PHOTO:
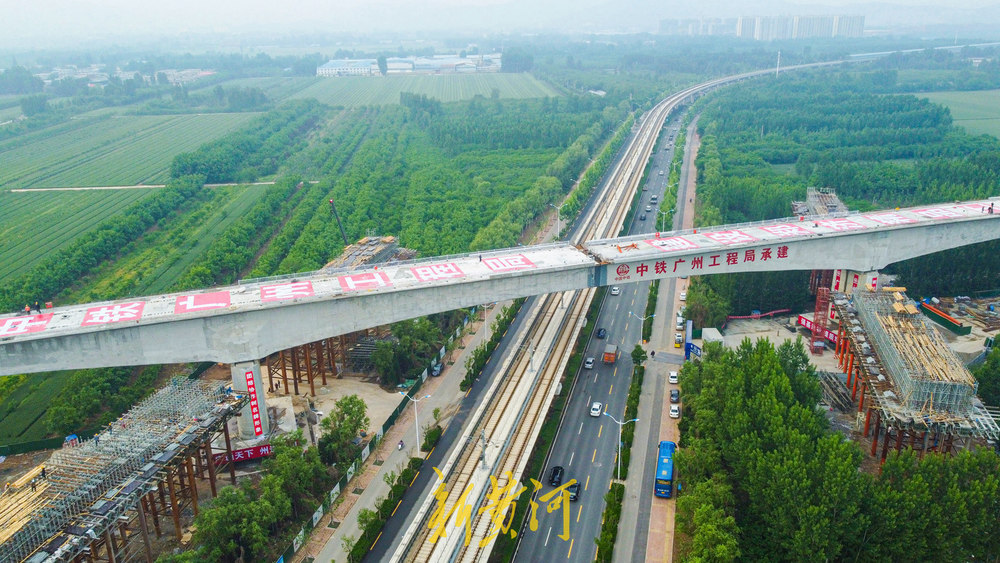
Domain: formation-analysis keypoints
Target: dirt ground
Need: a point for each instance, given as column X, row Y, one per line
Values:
column 14, row 466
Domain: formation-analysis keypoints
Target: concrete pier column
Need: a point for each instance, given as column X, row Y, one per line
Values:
column 253, row 421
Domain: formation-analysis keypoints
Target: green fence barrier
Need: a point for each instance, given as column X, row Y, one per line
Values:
column 202, row 368
column 46, row 444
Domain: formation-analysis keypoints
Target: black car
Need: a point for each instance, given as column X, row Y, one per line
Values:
column 574, row 491
column 675, row 396
column 556, row 477
column 642, row 217
column 602, row 333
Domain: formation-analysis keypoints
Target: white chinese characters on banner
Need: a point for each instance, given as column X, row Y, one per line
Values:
column 258, row 428
column 671, row 244
column 245, row 454
column 508, row 263
column 890, row 218
column 840, row 224
column 116, row 313
column 284, row 291
column 367, row 280
column 939, row 213
column 24, row 325
column 730, row 237
column 434, row 272
column 786, row 230
column 201, row 302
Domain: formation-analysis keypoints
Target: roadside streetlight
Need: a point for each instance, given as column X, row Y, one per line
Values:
column 662, row 213
column 620, row 424
column 642, row 321
column 558, row 209
column 416, row 421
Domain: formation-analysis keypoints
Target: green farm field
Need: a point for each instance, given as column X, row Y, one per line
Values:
column 22, row 412
column 155, row 262
column 108, row 150
column 978, row 112
column 350, row 91
column 35, row 224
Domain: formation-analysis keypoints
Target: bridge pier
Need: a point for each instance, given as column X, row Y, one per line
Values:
column 849, row 281
column 253, row 420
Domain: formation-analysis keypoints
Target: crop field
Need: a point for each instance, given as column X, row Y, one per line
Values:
column 6, row 114
column 21, row 413
column 159, row 259
column 978, row 112
column 350, row 91
column 34, row 224
column 277, row 89
column 108, row 151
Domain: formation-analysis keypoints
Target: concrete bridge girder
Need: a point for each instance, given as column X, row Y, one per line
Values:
column 251, row 328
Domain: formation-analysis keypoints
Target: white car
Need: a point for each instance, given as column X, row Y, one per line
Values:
column 595, row 409
column 672, row 378
column 615, row 290
column 675, row 411
column 588, row 363
column 684, row 295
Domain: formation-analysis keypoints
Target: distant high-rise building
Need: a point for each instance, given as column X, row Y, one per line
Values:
column 848, row 26
column 768, row 28
column 698, row 26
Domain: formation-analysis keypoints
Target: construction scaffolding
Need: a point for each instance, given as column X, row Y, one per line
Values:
column 928, row 378
column 909, row 385
column 341, row 355
column 88, row 501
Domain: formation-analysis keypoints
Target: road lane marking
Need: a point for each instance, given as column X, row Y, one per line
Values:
column 580, row 431
column 570, row 548
column 593, row 457
column 546, row 544
column 571, row 458
column 585, row 485
column 611, row 389
column 599, row 429
column 578, row 513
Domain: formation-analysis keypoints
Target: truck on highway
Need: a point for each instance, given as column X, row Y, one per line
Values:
column 610, row 354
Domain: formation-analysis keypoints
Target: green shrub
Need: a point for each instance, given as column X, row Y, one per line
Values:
column 431, row 437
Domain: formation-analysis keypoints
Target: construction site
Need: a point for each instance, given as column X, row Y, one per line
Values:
column 101, row 499
column 910, row 389
column 908, row 386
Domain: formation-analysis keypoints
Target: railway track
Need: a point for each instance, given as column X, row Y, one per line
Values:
column 504, row 429
column 508, row 426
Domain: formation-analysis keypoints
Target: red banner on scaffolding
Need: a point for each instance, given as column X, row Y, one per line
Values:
column 245, row 454
column 258, row 428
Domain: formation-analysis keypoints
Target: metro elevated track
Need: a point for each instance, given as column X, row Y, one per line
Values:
column 522, row 394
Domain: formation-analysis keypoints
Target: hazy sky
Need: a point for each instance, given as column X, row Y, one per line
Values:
column 41, row 23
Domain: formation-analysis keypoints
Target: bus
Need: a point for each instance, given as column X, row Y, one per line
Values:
column 664, row 486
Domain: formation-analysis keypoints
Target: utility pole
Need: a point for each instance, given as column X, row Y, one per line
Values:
column 778, row 67
column 333, row 206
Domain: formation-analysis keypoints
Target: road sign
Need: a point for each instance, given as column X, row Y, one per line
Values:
column 689, row 349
